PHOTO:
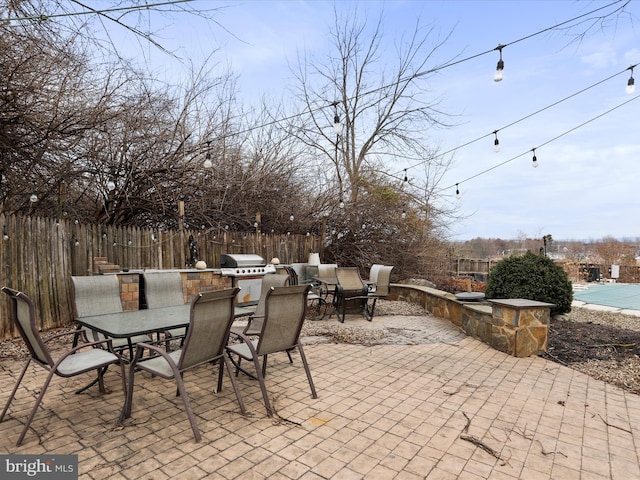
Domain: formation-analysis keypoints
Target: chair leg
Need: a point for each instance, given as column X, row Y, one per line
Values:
column 15, row 388
column 187, row 407
column 234, row 384
column 221, row 364
column 35, row 407
column 307, row 371
column 263, row 387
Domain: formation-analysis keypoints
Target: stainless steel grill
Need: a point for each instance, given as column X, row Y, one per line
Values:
column 244, row 265
column 246, row 271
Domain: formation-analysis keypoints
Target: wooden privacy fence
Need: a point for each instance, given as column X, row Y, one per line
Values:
column 39, row 255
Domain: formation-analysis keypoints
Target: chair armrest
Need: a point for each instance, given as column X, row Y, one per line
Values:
column 58, row 335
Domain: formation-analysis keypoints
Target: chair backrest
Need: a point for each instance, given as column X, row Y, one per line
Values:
column 301, row 272
column 294, row 279
column 350, row 280
column 373, row 272
column 96, row 295
column 163, row 289
column 383, row 280
column 23, row 314
column 284, row 315
column 327, row 270
column 209, row 325
column 269, row 280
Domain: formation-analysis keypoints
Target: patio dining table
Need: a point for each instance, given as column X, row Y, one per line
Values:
column 146, row 321
column 140, row 322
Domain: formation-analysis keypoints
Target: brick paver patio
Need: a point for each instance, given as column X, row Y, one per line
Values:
column 383, row 412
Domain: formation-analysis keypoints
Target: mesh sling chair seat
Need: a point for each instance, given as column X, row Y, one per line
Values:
column 211, row 315
column 98, row 295
column 284, row 315
column 76, row 361
column 351, row 290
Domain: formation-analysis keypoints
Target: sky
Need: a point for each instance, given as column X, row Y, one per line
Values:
column 587, row 144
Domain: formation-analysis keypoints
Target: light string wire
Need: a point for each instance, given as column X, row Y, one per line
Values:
column 541, row 145
column 623, row 3
column 370, row 92
column 130, row 8
column 417, row 75
column 515, row 122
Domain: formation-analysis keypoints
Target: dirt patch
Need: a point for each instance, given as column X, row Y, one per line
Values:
column 601, row 350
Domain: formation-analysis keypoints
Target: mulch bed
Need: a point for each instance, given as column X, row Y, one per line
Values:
column 605, row 352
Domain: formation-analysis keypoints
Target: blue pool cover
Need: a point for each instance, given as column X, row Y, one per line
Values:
column 620, row 295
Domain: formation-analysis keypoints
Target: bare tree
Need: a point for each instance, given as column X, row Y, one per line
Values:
column 381, row 112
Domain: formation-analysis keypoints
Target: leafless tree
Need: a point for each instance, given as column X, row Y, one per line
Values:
column 382, row 112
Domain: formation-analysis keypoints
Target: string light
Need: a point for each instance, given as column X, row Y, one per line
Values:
column 497, row 77
column 526, row 117
column 33, row 198
column 404, row 213
column 457, row 192
column 631, row 84
column 341, row 204
column 337, row 127
column 496, row 142
column 5, row 235
column 534, row 163
column 405, row 176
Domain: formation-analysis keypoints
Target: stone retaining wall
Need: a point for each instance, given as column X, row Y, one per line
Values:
column 515, row 326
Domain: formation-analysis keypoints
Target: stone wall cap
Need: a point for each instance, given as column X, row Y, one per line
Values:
column 520, row 303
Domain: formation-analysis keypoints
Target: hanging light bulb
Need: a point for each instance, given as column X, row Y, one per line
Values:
column 497, row 76
column 404, row 213
column 337, row 127
column 535, row 159
column 5, row 235
column 631, row 84
column 291, row 217
column 207, row 161
column 457, row 192
column 496, row 143
column 405, row 176
column 33, row 198
column 111, row 186
column 341, row 204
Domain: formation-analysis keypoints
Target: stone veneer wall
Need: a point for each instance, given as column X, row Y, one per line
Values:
column 193, row 282
column 518, row 328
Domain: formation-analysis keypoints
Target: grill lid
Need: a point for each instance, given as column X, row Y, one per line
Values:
column 234, row 260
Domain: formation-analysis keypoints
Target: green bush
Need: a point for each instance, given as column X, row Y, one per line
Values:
column 531, row 276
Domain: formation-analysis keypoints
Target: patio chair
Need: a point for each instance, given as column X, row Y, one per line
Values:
column 254, row 325
column 350, row 290
column 97, row 295
column 317, row 303
column 164, row 289
column 211, row 315
column 380, row 289
column 373, row 276
column 73, row 362
column 285, row 309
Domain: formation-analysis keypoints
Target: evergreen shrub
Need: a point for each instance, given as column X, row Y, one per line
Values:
column 531, row 276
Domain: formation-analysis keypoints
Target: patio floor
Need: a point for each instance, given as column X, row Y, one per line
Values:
column 392, row 411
